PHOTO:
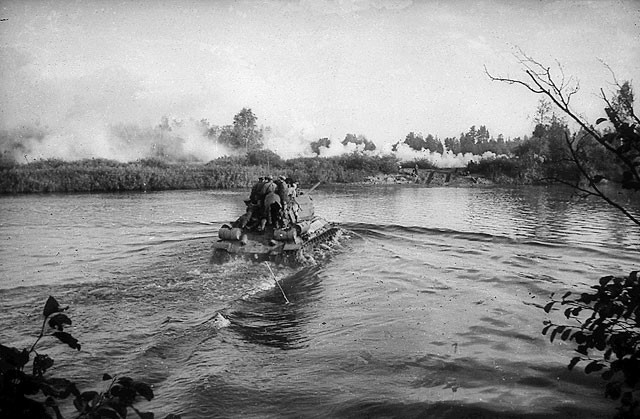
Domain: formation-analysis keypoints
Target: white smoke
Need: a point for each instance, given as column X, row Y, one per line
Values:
column 336, row 148
column 87, row 138
column 108, row 113
column 197, row 145
column 290, row 142
column 442, row 160
column 297, row 144
column 112, row 114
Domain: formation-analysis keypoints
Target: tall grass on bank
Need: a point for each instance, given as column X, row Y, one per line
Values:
column 101, row 175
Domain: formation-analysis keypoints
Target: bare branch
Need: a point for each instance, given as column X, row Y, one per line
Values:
column 511, row 81
column 540, row 80
column 613, row 75
column 594, row 186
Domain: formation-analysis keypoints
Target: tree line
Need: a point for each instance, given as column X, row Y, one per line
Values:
column 544, row 156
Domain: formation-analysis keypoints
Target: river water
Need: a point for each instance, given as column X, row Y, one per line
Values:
column 427, row 304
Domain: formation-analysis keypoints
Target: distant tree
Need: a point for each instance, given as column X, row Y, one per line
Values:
column 482, row 136
column 452, row 144
column 468, row 140
column 418, row 142
column 322, row 142
column 359, row 140
column 543, row 112
column 244, row 133
column 433, row 144
column 415, row 141
column 548, row 142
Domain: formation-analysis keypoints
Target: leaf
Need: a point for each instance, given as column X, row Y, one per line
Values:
column 89, row 395
column 41, row 363
column 119, row 406
column 105, row 412
column 586, row 298
column 14, row 357
column 605, row 280
column 59, row 321
column 127, row 396
column 59, row 387
column 115, row 390
column 573, row 362
column 592, row 367
column 50, row 307
column 144, row 390
column 125, row 381
column 600, row 120
column 582, row 349
column 548, row 307
column 65, row 337
column 79, row 404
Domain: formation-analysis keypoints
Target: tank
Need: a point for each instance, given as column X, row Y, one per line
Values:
column 289, row 243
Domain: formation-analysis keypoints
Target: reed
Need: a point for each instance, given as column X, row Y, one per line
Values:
column 102, row 175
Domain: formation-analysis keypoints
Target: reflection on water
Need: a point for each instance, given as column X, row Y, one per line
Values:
column 428, row 306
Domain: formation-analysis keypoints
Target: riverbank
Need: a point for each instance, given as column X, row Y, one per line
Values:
column 100, row 175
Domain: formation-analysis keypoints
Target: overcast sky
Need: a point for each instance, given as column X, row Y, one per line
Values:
column 314, row 68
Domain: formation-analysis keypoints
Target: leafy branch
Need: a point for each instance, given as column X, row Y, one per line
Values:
column 37, row 395
column 606, row 331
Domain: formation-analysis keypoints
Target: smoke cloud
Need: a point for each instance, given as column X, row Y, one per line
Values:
column 109, row 113
column 444, row 160
column 85, row 138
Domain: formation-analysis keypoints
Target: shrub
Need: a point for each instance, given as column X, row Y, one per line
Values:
column 607, row 335
column 33, row 393
column 492, row 168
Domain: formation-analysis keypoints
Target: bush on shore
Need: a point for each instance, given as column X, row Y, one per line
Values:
column 101, row 175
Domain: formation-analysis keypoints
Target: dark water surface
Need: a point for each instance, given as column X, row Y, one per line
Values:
column 427, row 304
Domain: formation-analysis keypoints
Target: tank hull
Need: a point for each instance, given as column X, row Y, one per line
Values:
column 288, row 247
